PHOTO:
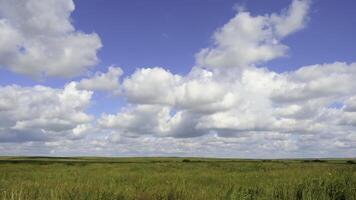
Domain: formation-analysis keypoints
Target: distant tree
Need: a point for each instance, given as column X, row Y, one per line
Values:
column 350, row 162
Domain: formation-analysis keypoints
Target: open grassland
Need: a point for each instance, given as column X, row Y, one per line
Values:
column 175, row 178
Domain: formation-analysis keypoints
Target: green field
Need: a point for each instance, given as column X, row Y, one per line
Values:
column 175, row 178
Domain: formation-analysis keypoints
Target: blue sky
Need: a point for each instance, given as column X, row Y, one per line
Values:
column 159, row 70
column 168, row 33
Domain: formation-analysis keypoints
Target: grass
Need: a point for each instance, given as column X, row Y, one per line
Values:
column 175, row 178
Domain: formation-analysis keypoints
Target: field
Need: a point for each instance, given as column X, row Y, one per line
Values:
column 175, row 178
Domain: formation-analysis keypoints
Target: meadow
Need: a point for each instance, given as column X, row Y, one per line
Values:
column 175, row 178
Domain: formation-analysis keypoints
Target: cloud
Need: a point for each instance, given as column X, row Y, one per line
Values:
column 160, row 87
column 350, row 104
column 292, row 19
column 317, row 81
column 248, row 40
column 137, row 120
column 38, row 39
column 229, row 104
column 43, row 113
column 228, row 96
column 151, row 85
column 108, row 81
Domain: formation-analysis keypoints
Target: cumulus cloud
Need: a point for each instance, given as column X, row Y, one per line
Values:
column 161, row 87
column 250, row 40
column 141, row 119
column 38, row 39
column 151, row 85
column 228, row 96
column 109, row 81
column 317, row 81
column 262, row 108
column 292, row 19
column 43, row 113
column 227, row 105
column 350, row 104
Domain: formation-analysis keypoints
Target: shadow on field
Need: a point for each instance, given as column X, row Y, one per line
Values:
column 314, row 161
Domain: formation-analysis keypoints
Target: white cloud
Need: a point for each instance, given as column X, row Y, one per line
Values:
column 151, row 85
column 317, row 81
column 38, row 39
column 109, row 81
column 137, row 120
column 292, row 19
column 350, row 104
column 42, row 113
column 248, row 40
column 262, row 102
column 226, row 95
column 225, row 106
column 159, row 86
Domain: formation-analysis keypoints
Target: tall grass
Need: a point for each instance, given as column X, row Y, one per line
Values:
column 173, row 179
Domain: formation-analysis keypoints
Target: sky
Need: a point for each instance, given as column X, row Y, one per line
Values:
column 234, row 78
